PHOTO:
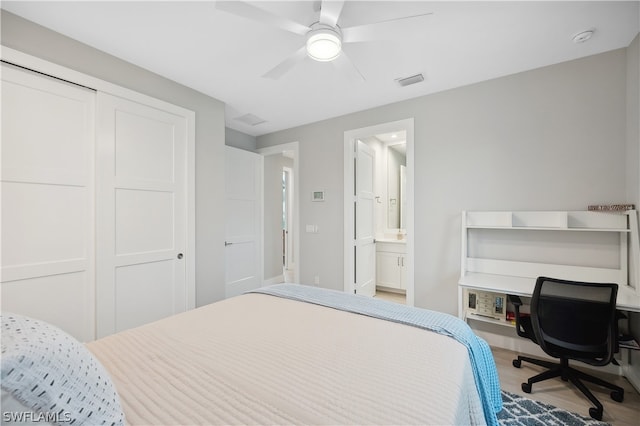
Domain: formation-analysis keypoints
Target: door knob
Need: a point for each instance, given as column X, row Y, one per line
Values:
column 180, row 256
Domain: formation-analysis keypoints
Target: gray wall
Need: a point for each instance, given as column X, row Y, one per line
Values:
column 554, row 138
column 23, row 35
column 560, row 137
column 239, row 140
column 633, row 124
column 633, row 159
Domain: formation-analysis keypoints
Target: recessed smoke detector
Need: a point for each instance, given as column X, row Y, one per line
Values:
column 410, row 80
column 583, row 36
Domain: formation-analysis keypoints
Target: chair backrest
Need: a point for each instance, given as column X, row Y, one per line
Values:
column 575, row 320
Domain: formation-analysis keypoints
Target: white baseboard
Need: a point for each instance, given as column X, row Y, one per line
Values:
column 273, row 280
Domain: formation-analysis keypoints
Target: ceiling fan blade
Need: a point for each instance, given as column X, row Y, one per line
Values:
column 390, row 29
column 285, row 66
column 346, row 66
column 330, row 12
column 248, row 11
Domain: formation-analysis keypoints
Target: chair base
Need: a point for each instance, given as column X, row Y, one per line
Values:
column 567, row 373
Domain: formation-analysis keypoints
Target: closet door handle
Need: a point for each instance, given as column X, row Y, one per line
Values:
column 227, row 243
column 180, row 256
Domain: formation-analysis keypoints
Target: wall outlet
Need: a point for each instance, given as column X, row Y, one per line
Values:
column 316, row 280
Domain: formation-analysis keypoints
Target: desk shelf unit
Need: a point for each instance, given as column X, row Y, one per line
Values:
column 517, row 277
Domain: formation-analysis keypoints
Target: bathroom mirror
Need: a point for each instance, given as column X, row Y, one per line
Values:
column 396, row 182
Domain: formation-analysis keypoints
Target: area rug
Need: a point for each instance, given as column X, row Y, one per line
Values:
column 521, row 411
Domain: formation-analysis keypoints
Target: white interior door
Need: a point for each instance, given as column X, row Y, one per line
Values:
column 47, row 200
column 365, row 245
column 243, row 228
column 141, row 214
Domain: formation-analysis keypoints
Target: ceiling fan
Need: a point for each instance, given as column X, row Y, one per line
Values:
column 324, row 38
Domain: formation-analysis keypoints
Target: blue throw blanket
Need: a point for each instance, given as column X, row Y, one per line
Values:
column 482, row 362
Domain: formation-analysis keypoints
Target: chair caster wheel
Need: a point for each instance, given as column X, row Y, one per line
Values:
column 595, row 413
column 526, row 387
column 617, row 396
column 517, row 363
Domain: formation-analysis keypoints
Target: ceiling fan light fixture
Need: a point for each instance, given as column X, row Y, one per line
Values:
column 324, row 44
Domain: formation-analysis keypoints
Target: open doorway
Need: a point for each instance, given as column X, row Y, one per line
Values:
column 391, row 213
column 280, row 228
column 288, row 254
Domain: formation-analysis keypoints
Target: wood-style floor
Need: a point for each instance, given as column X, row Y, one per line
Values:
column 565, row 395
column 556, row 392
column 391, row 297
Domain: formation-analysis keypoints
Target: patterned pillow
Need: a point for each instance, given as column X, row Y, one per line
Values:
column 55, row 375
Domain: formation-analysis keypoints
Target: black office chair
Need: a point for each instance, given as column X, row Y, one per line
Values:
column 571, row 320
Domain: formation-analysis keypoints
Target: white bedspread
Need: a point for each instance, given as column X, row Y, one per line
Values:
column 258, row 359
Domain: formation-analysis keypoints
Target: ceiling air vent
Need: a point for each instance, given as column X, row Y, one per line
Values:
column 250, row 119
column 410, row 80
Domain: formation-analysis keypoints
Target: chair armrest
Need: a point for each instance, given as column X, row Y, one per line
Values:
column 517, row 302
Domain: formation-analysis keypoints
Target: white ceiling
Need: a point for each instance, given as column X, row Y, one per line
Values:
column 224, row 55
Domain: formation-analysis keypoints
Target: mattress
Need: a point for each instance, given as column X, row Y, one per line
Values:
column 260, row 359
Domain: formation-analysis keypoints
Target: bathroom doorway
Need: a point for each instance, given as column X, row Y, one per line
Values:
column 392, row 211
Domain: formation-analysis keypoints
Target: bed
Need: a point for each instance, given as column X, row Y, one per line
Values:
column 292, row 354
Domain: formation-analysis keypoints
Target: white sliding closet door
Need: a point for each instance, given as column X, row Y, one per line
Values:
column 141, row 214
column 47, row 201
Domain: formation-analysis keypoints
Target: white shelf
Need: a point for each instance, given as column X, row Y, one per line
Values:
column 550, row 220
column 539, row 219
column 490, row 320
column 542, row 228
column 517, row 275
column 518, row 286
column 498, row 261
column 628, row 299
column 490, row 219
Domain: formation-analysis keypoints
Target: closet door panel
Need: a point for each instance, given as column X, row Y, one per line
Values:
column 59, row 299
column 144, row 221
column 144, row 148
column 47, row 200
column 46, row 128
column 141, row 214
column 144, row 294
column 44, row 223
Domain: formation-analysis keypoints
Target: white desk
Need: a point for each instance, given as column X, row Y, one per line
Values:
column 505, row 251
column 628, row 299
